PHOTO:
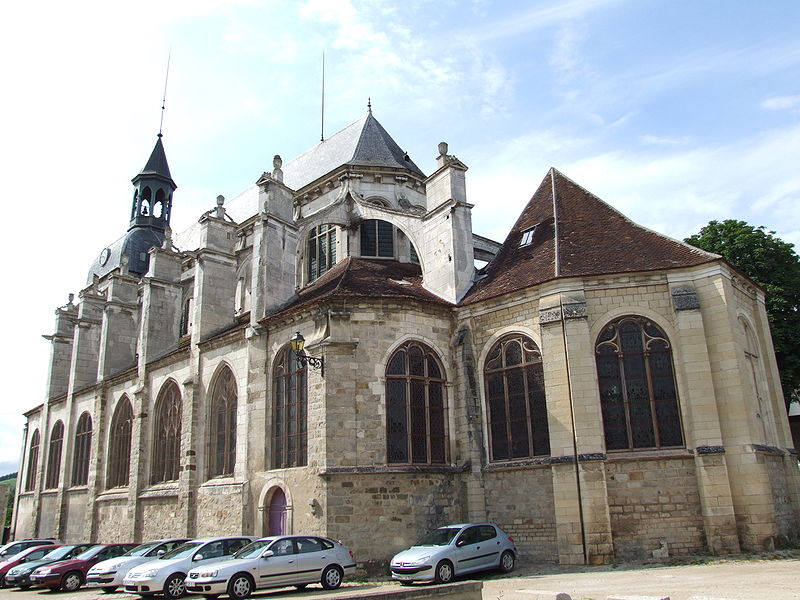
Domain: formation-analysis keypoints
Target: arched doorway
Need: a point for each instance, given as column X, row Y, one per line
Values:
column 276, row 516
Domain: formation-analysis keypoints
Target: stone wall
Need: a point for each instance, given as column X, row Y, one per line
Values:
column 521, row 503
column 651, row 501
column 377, row 515
column 114, row 523
column 785, row 518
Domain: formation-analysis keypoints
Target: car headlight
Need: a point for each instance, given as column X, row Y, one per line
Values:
column 42, row 572
column 420, row 561
column 150, row 573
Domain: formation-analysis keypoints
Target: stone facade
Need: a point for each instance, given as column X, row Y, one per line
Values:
column 224, row 298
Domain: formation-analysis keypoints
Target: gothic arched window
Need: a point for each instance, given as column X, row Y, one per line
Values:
column 82, row 450
column 119, row 456
column 415, row 407
column 54, row 456
column 290, row 408
column 321, row 250
column 515, row 399
column 638, row 394
column 167, row 438
column 377, row 238
column 222, row 454
column 33, row 462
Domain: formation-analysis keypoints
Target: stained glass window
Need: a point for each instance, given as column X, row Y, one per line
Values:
column 83, row 447
column 167, row 442
column 120, row 441
column 290, row 408
column 33, row 462
column 515, row 398
column 638, row 394
column 222, row 455
column 54, row 455
column 415, row 407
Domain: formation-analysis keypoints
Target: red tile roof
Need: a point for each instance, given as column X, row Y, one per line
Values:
column 366, row 278
column 577, row 234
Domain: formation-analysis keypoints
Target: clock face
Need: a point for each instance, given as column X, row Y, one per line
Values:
column 104, row 256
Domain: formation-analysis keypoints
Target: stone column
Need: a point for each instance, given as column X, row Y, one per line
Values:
column 583, row 523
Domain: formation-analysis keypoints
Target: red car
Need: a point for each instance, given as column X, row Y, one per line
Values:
column 27, row 555
column 69, row 575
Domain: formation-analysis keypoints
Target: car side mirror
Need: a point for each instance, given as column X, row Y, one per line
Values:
column 460, row 543
column 23, row 559
column 161, row 552
column 198, row 557
column 267, row 554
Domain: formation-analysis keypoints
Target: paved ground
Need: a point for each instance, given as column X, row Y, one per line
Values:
column 766, row 577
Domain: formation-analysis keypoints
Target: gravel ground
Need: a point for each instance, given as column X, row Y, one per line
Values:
column 774, row 576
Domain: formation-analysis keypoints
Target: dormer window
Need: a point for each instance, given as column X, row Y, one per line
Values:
column 527, row 236
column 377, row 238
column 321, row 250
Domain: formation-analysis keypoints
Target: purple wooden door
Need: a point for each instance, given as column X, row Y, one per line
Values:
column 277, row 513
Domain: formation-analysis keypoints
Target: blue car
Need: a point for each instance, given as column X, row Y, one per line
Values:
column 454, row 550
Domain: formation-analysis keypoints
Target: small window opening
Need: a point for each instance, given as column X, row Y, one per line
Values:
column 527, row 236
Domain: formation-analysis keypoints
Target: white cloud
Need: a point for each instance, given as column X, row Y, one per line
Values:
column 781, row 102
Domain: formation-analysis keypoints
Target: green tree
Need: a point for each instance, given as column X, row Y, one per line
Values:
column 774, row 265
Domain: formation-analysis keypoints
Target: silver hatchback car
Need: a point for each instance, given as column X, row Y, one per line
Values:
column 455, row 550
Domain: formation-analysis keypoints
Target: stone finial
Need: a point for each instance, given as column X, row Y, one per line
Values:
column 70, row 298
column 443, row 148
column 220, row 208
column 277, row 163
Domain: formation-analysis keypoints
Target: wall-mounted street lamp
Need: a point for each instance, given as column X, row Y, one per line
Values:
column 298, row 341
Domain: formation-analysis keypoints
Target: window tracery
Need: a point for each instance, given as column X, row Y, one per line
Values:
column 82, row 450
column 515, row 398
column 638, row 394
column 167, row 438
column 120, row 444
column 222, row 455
column 415, row 406
column 290, row 407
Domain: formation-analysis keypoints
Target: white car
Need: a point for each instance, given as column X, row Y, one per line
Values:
column 277, row 561
column 165, row 575
column 108, row 574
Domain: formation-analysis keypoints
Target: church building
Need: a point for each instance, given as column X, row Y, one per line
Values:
column 321, row 355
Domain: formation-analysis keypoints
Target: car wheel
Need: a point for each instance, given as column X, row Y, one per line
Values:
column 331, row 577
column 23, row 587
column 240, row 586
column 71, row 581
column 444, row 572
column 406, row 583
column 507, row 562
column 174, row 586
column 211, row 596
column 110, row 589
column 301, row 586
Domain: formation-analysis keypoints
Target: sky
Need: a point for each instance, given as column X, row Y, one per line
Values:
column 675, row 112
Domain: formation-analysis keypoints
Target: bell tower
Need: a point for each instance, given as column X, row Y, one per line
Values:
column 153, row 189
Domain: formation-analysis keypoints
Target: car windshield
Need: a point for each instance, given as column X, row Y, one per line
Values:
column 58, row 553
column 253, row 550
column 182, row 551
column 141, row 550
column 88, row 553
column 439, row 537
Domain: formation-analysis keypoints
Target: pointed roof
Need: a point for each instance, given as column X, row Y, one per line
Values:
column 576, row 234
column 364, row 142
column 157, row 164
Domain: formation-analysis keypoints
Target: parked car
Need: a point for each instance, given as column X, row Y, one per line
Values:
column 27, row 555
column 109, row 574
column 166, row 574
column 276, row 561
column 20, row 576
column 13, row 548
column 455, row 550
column 69, row 575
